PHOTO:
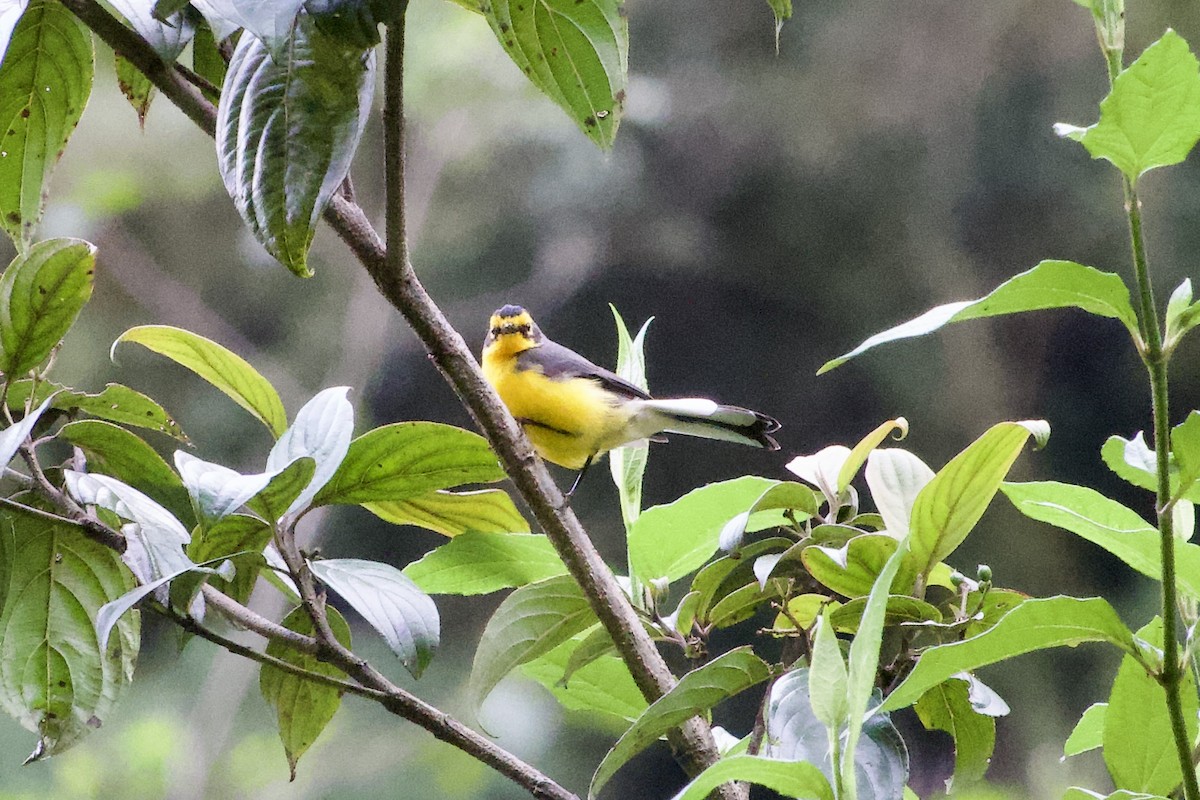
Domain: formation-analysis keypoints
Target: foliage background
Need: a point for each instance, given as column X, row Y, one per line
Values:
column 770, row 211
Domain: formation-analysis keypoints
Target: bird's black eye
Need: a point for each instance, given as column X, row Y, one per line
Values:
column 524, row 330
column 496, row 331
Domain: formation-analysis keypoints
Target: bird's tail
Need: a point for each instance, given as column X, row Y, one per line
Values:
column 699, row 417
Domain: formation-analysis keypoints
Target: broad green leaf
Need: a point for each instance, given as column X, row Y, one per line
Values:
column 280, row 494
column 223, row 369
column 1139, row 747
column 900, row 608
column 950, row 505
column 853, row 568
column 240, row 539
column 1181, row 314
column 1117, row 528
column 602, row 686
column 804, row 609
column 12, row 437
column 740, row 604
column 1185, row 447
column 671, row 540
column 790, row 778
column 352, row 21
column 116, row 403
column 729, row 573
column 136, row 87
column 56, row 679
column 530, row 622
column 167, row 36
column 216, row 490
column 404, row 616
column 41, row 294
column 1151, row 118
column 454, row 513
column 478, row 563
column 206, row 57
column 321, row 431
column 1051, row 284
column 827, row 677
column 409, row 459
column 1088, row 733
column 288, row 125
column 1034, row 625
column 863, row 449
column 946, row 707
column 577, row 53
column 1075, row 793
column 628, row 464
column 303, row 708
column 697, row 692
column 1130, row 459
column 796, row 498
column 45, row 80
column 112, row 450
column 895, row 478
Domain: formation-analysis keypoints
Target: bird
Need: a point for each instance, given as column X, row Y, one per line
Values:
column 574, row 411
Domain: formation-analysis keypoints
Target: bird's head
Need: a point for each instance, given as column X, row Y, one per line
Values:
column 512, row 328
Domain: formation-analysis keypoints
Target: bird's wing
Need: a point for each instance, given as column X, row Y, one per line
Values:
column 559, row 363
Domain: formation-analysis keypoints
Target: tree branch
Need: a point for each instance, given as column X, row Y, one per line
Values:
column 393, row 274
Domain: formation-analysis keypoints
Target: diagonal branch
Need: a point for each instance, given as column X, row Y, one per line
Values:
column 393, row 274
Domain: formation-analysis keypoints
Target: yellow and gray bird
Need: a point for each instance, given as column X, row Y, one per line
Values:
column 574, row 411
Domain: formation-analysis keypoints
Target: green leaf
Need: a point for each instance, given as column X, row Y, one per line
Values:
column 1118, row 529
column 454, row 513
column 895, row 478
column 866, row 445
column 45, row 80
column 671, row 540
column 1131, row 459
column 950, row 505
column 321, row 431
column 827, row 677
column 725, row 575
column 206, row 57
column 240, row 539
column 900, row 608
column 740, row 604
column 1051, row 284
column 404, row 616
column 797, row 779
column 1034, row 625
column 9, row 18
column 304, row 708
column 946, row 707
column 288, row 125
column 478, row 563
column 136, row 87
column 1139, row 747
column 796, row 498
column 223, row 369
column 409, row 459
column 1151, row 118
column 696, row 692
column 1075, row 793
column 55, row 677
column 1185, row 446
column 1088, row 733
column 112, row 450
column 602, row 686
column 1180, row 316
column 628, row 464
column 273, row 502
column 530, row 622
column 782, row 9
column 577, row 53
column 41, row 294
column 116, row 403
column 853, row 568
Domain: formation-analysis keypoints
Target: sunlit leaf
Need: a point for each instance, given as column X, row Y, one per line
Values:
column 116, row 403
column 603, row 686
column 862, row 450
column 796, row 779
column 628, row 464
column 946, row 707
column 454, row 513
column 895, row 478
column 478, row 563
column 1088, row 733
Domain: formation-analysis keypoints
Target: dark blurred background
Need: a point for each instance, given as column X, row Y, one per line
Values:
column 770, row 211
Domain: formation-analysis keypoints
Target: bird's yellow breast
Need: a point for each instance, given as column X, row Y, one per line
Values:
column 567, row 419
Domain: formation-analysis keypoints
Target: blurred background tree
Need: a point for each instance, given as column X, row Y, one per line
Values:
column 769, row 210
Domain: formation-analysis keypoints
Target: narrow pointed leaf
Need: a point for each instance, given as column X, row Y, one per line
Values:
column 222, row 368
column 531, row 621
column 45, row 80
column 697, row 692
column 950, row 505
column 603, row 686
column 478, row 563
column 1088, row 733
column 288, row 125
column 454, row 513
column 827, row 677
column 116, row 403
column 303, row 708
column 1051, row 284
column 797, row 779
column 13, row 436
column 1118, row 529
column 1034, row 625
column 627, row 464
column 866, row 446
column 56, row 678
column 575, row 52
column 137, row 88
column 41, row 294
column 409, row 459
column 404, row 616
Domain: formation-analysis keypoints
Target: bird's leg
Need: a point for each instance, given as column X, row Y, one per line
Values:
column 579, row 477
